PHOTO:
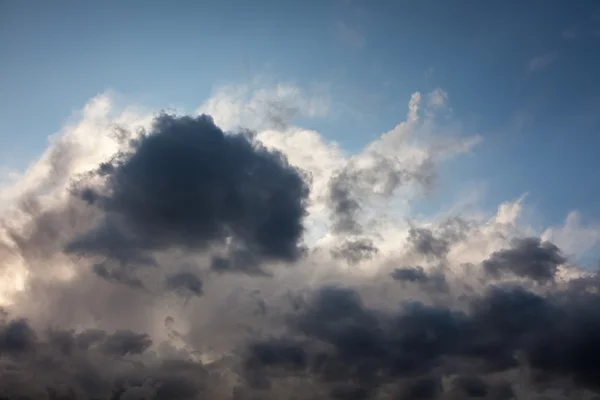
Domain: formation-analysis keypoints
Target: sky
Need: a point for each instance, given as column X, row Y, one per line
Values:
column 521, row 74
column 317, row 199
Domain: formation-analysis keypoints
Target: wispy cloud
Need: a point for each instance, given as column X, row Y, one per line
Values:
column 542, row 61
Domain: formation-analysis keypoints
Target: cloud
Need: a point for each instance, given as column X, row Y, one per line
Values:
column 573, row 237
column 403, row 158
column 187, row 185
column 115, row 247
column 423, row 242
column 258, row 106
column 96, row 364
column 501, row 329
column 542, row 61
column 432, row 282
column 528, row 258
column 184, row 283
column 356, row 250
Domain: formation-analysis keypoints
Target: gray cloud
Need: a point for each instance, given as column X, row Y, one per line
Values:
column 345, row 205
column 353, row 184
column 122, row 343
column 16, row 337
column 188, row 185
column 355, row 250
column 503, row 329
column 184, row 283
column 425, row 243
column 93, row 365
column 528, row 258
column 334, row 345
column 432, row 282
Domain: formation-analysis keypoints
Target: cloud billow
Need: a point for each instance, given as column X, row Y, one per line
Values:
column 187, row 184
column 528, row 258
column 503, row 330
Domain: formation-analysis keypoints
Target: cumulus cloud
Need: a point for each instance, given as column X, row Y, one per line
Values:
column 187, row 185
column 233, row 255
column 528, row 258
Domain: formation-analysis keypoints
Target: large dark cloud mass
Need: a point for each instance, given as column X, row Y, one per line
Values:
column 186, row 184
column 339, row 341
column 149, row 310
column 92, row 364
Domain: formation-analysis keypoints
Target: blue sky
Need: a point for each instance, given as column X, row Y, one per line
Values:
column 522, row 74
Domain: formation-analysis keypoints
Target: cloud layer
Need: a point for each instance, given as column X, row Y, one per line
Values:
column 165, row 256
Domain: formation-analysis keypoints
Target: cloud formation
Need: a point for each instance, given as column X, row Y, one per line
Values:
column 118, row 248
column 187, row 185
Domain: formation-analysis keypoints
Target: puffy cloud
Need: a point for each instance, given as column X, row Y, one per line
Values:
column 528, row 258
column 504, row 329
column 188, row 185
column 116, row 242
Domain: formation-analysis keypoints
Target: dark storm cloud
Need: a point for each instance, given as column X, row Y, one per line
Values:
column 90, row 365
column 16, row 337
column 287, row 356
column 343, row 342
column 355, row 251
column 186, row 184
column 370, row 348
column 528, row 258
column 426, row 388
column 470, row 386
